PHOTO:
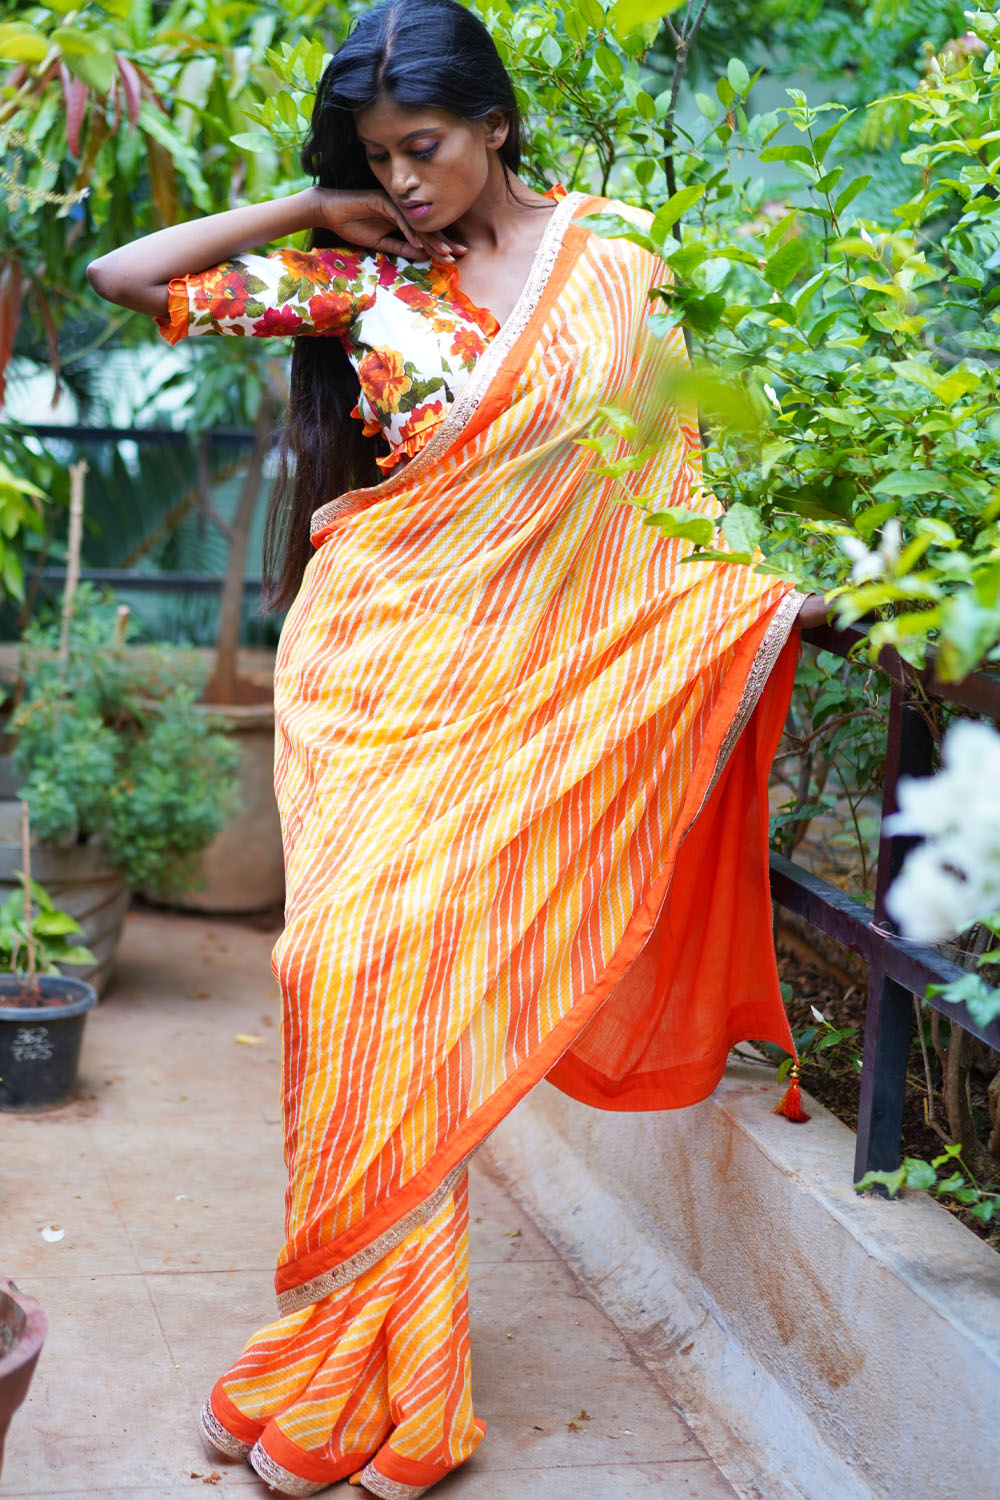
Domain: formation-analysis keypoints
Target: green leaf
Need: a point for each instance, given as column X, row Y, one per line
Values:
column 256, row 141
column 912, row 482
column 632, row 15
column 787, row 153
column 185, row 158
column 95, row 69
column 576, row 26
column 822, row 143
column 738, row 76
column 919, row 1174
column 55, row 924
column 674, row 207
column 609, row 63
column 287, row 110
column 891, row 1181
column 979, row 998
column 850, row 192
column 742, row 528
column 22, row 44
column 685, row 524
column 551, row 51
column 785, row 264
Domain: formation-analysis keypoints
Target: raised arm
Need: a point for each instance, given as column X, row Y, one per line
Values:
column 137, row 275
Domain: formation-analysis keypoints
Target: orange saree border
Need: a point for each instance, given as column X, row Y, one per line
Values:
column 341, row 1260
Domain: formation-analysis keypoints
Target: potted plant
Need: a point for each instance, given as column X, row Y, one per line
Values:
column 41, row 1010
column 127, row 783
column 23, row 1327
column 242, row 870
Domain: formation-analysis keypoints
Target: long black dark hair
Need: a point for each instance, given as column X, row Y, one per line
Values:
column 423, row 54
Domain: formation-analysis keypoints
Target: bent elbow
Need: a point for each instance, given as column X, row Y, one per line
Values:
column 98, row 277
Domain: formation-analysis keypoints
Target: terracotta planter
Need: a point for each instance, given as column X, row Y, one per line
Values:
column 81, row 880
column 243, row 868
column 23, row 1327
column 40, row 1040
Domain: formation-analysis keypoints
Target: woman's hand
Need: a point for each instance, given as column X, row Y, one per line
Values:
column 373, row 222
column 813, row 611
column 137, row 275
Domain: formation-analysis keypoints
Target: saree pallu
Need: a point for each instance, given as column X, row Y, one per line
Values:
column 521, row 766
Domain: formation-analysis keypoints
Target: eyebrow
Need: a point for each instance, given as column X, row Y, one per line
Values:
column 427, row 130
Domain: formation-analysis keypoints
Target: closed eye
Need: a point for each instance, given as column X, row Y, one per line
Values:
column 424, row 155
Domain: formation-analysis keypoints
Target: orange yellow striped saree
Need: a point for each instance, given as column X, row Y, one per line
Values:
column 521, row 766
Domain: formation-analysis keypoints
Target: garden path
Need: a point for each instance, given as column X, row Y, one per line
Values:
column 165, row 1176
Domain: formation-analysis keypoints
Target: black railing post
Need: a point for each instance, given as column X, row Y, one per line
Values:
column 889, row 1015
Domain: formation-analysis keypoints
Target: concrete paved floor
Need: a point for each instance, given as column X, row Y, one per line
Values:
column 166, row 1177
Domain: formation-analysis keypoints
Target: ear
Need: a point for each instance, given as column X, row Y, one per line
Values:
column 497, row 129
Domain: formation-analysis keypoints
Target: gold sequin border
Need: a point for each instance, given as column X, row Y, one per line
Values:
column 389, row 1489
column 349, row 1270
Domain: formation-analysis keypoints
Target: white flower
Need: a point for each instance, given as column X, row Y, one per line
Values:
column 818, row 1015
column 868, row 565
column 772, row 396
column 952, row 879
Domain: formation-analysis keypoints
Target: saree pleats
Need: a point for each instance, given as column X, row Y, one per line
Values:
column 521, row 765
column 375, row 1377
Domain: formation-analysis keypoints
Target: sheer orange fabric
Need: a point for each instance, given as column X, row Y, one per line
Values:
column 521, row 766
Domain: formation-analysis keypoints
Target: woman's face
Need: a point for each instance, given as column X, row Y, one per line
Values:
column 434, row 165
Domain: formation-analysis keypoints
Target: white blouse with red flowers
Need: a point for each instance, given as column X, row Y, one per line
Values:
column 408, row 328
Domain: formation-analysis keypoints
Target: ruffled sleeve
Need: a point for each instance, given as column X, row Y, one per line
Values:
column 288, row 292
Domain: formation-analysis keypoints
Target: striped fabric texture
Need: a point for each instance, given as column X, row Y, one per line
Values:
column 521, row 766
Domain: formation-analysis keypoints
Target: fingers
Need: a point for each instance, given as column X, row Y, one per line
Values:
column 390, row 246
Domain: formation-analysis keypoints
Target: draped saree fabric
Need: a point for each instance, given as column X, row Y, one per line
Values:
column 521, row 766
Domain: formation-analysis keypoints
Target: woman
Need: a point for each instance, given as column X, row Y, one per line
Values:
column 522, row 748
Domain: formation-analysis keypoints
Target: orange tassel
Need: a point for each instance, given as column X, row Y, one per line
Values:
column 790, row 1105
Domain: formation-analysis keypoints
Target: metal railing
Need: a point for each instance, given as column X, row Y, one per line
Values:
column 897, row 970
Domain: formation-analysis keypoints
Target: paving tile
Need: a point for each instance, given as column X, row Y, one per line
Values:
column 542, row 1355
column 166, row 1174
column 105, row 1402
column 691, row 1479
column 198, row 1482
column 200, row 1066
column 500, row 1231
column 186, row 1014
column 194, row 1194
column 207, row 1319
column 53, row 1174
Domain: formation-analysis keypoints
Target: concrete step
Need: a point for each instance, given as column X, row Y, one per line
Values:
column 822, row 1345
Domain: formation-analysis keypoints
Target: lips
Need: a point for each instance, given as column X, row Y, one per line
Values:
column 415, row 210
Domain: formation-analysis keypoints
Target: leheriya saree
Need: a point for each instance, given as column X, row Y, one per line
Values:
column 521, row 767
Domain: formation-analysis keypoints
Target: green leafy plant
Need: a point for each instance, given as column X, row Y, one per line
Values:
column 833, row 1049
column 111, row 747
column 946, row 1176
column 43, row 942
column 847, row 363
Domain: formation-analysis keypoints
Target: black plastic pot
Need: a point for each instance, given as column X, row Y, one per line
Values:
column 40, row 1043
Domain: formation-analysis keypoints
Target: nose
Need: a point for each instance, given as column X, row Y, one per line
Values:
column 403, row 178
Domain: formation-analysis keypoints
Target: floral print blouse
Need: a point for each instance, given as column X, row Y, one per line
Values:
column 409, row 330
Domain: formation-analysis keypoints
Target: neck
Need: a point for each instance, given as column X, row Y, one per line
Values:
column 497, row 218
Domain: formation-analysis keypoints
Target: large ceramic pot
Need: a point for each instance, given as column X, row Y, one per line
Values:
column 243, row 870
column 40, row 1039
column 81, row 880
column 23, row 1327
